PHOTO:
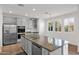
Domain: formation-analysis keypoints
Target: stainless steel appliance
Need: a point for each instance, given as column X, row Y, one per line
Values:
column 20, row 29
column 9, row 34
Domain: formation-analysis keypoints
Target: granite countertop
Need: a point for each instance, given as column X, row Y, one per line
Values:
column 22, row 33
column 48, row 43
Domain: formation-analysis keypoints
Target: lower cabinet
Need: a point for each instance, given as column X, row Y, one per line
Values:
column 56, row 52
column 22, row 42
column 26, row 45
column 29, row 47
column 45, row 52
column 34, row 49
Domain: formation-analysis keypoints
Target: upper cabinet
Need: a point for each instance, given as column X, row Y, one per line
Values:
column 19, row 21
column 22, row 21
column 9, row 20
column 31, row 24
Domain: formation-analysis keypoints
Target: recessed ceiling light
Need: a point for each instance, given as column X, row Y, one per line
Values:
column 10, row 11
column 34, row 9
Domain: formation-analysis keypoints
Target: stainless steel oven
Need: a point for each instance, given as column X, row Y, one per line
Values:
column 20, row 29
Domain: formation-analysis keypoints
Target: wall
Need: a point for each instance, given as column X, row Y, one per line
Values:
column 72, row 37
column 41, row 25
column 30, row 25
column 1, row 22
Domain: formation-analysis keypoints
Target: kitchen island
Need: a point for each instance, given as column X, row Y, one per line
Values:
column 34, row 44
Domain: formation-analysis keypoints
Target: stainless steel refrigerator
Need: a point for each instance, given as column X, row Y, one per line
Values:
column 9, row 34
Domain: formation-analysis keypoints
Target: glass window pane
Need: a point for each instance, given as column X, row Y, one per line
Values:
column 58, row 25
column 50, row 26
column 69, row 24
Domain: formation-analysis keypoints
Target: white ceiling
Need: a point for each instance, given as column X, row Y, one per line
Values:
column 53, row 9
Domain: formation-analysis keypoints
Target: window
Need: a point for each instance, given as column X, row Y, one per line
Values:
column 58, row 25
column 50, row 25
column 69, row 24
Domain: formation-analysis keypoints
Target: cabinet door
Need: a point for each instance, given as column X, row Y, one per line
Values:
column 36, row 49
column 9, row 20
column 44, row 51
column 29, row 48
column 23, row 21
column 22, row 42
column 56, row 52
column 26, row 45
column 28, row 26
column 19, row 21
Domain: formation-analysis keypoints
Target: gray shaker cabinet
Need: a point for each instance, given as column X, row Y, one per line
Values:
column 56, row 52
column 9, row 20
column 29, row 47
column 26, row 45
column 22, row 42
column 36, row 49
column 19, row 21
column 45, row 52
